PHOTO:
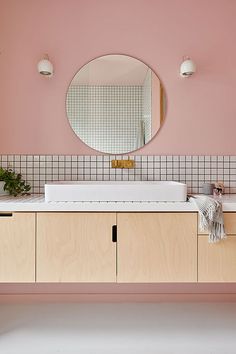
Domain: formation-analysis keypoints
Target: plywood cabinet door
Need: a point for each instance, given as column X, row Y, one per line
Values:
column 75, row 247
column 217, row 261
column 17, row 247
column 157, row 247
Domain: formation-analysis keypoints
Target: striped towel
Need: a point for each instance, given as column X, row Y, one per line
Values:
column 210, row 217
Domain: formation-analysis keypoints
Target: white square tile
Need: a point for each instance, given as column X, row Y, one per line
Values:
column 16, row 158
column 30, row 164
column 87, row 158
column 22, row 158
column 176, row 177
column 29, row 158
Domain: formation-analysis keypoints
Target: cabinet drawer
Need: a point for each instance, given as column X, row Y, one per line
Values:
column 17, row 247
column 230, row 224
column 217, row 261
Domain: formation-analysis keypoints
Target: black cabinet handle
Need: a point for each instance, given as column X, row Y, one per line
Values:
column 114, row 233
column 5, row 215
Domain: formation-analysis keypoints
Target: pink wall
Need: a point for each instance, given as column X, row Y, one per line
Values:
column 201, row 117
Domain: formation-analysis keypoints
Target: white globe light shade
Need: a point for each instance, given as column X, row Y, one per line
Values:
column 187, row 68
column 45, row 67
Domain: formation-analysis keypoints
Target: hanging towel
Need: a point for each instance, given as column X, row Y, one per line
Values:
column 210, row 217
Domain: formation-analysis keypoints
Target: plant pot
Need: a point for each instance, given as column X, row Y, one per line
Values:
column 2, row 192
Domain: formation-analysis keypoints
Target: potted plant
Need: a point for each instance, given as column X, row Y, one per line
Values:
column 12, row 183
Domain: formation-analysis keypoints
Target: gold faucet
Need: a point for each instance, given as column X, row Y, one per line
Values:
column 123, row 163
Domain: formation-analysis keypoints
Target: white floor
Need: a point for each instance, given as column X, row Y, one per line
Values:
column 118, row 328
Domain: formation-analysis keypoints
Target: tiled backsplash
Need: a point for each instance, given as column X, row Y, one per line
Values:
column 193, row 170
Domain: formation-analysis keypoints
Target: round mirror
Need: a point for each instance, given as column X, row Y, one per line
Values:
column 115, row 104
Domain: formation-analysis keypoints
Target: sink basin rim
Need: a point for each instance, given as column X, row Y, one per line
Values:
column 114, row 191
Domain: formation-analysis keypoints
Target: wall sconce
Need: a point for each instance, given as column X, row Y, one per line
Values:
column 187, row 67
column 45, row 67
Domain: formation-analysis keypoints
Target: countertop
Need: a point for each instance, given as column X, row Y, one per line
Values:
column 36, row 203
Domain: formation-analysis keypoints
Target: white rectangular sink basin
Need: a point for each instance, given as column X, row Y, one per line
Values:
column 114, row 191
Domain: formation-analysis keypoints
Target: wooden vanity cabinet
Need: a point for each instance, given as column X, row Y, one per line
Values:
column 17, row 247
column 151, row 247
column 156, row 247
column 217, row 261
column 75, row 247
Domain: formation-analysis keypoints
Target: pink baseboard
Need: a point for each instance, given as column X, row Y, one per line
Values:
column 169, row 292
column 114, row 298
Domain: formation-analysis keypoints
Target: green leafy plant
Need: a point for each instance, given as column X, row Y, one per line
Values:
column 14, row 184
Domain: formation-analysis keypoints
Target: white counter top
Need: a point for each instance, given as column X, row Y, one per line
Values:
column 36, row 203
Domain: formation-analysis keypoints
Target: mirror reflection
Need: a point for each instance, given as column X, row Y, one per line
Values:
column 115, row 104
